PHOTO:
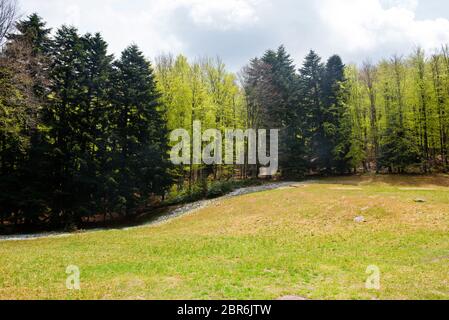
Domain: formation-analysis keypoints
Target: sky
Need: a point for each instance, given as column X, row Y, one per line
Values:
column 238, row 30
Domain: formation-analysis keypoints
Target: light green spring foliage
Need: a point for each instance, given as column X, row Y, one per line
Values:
column 411, row 100
column 358, row 116
column 199, row 91
column 8, row 114
column 203, row 90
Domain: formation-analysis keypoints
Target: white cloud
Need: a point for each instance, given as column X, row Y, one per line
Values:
column 146, row 23
column 73, row 14
column 364, row 26
column 239, row 30
column 223, row 15
column 406, row 4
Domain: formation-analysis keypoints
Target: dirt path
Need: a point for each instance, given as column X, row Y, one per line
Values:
column 168, row 216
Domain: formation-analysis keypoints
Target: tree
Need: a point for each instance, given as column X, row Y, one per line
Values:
column 406, row 100
column 311, row 79
column 64, row 117
column 94, row 129
column 140, row 134
column 205, row 91
column 397, row 151
column 285, row 113
column 271, row 87
column 358, row 116
column 420, row 73
column 441, row 103
column 368, row 75
column 8, row 16
column 336, row 117
column 30, row 45
column 27, row 69
column 33, row 31
column 13, row 144
column 256, row 83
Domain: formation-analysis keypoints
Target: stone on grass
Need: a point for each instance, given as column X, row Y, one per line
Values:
column 359, row 219
column 419, row 200
column 292, row 298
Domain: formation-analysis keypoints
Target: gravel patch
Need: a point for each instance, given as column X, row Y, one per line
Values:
column 183, row 210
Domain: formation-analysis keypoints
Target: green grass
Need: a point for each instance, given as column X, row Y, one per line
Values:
column 209, row 191
column 293, row 241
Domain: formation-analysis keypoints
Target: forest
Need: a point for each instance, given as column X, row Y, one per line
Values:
column 84, row 134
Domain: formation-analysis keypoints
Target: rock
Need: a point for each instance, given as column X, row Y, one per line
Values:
column 292, row 298
column 419, row 200
column 359, row 219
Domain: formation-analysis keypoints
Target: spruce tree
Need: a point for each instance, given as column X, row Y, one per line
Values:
column 311, row 79
column 336, row 142
column 32, row 30
column 140, row 134
column 286, row 81
column 95, row 130
column 25, row 56
column 65, row 118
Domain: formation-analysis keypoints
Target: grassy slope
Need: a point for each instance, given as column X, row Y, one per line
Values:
column 300, row 240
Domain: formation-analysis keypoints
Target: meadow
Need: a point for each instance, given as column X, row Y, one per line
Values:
column 299, row 240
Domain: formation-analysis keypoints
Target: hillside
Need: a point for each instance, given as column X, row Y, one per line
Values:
column 297, row 240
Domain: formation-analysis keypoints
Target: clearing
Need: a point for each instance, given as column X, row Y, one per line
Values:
column 301, row 240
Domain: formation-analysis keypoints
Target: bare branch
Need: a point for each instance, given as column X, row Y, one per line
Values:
column 8, row 16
